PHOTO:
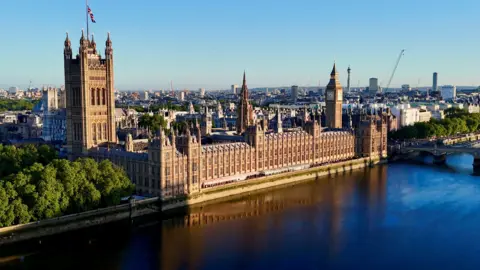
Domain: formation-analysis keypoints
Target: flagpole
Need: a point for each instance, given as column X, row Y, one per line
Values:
column 86, row 13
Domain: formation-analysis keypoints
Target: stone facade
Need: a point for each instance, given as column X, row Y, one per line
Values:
column 89, row 96
column 180, row 164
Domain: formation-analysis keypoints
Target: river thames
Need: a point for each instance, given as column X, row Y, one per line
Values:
column 396, row 216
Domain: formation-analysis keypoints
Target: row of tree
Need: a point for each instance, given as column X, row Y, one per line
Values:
column 156, row 121
column 35, row 185
column 457, row 121
column 16, row 105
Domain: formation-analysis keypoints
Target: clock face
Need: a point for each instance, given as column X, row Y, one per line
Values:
column 330, row 95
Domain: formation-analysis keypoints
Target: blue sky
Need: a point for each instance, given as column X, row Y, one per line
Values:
column 209, row 43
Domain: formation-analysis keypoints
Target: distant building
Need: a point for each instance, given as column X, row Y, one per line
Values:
column 473, row 108
column 234, row 89
column 55, row 126
column 294, row 93
column 373, row 86
column 146, row 95
column 448, row 92
column 50, row 99
column 62, row 98
column 405, row 115
column 182, row 96
column 202, row 92
column 406, row 88
column 424, row 116
column 13, row 90
column 435, row 81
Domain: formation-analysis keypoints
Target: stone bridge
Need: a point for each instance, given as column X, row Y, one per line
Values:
column 440, row 152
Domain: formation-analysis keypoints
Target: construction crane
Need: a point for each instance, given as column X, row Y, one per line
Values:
column 394, row 69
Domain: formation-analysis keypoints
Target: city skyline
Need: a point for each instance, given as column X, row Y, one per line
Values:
column 211, row 50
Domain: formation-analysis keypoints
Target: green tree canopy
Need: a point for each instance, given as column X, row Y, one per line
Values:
column 153, row 123
column 456, row 122
column 40, row 186
column 16, row 104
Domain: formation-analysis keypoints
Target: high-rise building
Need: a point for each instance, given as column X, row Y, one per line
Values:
column 244, row 109
column 334, row 100
column 202, row 92
column 435, row 82
column 182, row 96
column 234, row 89
column 448, row 92
column 348, row 79
column 90, row 96
column 373, row 86
column 294, row 93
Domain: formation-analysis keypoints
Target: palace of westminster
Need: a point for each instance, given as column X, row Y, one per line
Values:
column 182, row 164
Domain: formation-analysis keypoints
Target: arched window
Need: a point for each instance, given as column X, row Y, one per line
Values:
column 104, row 96
column 98, row 96
column 94, row 131
column 99, row 130
column 93, row 96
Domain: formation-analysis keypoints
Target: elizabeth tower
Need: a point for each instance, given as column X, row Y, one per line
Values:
column 334, row 100
column 90, row 96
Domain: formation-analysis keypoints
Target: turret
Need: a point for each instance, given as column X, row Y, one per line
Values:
column 108, row 48
column 83, row 42
column 67, row 51
column 129, row 143
column 93, row 45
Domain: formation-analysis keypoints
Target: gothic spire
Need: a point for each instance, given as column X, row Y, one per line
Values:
column 108, row 43
column 93, row 45
column 67, row 41
column 334, row 70
column 82, row 38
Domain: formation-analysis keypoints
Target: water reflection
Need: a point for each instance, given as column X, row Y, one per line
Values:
column 246, row 228
column 410, row 216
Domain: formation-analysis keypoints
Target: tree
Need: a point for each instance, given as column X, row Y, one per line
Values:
column 16, row 105
column 37, row 187
column 457, row 122
column 153, row 123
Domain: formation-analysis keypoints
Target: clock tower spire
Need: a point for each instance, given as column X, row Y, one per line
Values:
column 334, row 100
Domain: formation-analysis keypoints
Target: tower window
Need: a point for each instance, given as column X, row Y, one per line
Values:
column 93, row 96
column 104, row 131
column 94, row 131
column 104, row 96
column 98, row 96
column 99, row 130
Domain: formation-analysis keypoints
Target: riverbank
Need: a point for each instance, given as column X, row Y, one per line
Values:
column 136, row 209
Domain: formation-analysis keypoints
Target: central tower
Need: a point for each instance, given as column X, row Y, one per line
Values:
column 334, row 100
column 89, row 95
column 244, row 109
